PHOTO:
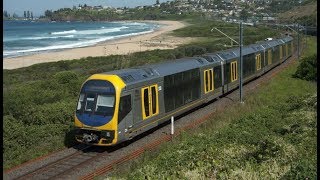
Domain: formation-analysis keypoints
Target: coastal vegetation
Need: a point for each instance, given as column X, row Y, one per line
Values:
column 39, row 101
column 145, row 13
column 307, row 69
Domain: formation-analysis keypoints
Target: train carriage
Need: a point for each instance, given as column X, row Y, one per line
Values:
column 116, row 106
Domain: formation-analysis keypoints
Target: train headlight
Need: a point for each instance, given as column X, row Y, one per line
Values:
column 107, row 134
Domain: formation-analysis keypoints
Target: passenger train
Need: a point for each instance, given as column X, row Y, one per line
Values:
column 116, row 106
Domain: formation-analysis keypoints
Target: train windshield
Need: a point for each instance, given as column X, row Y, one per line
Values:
column 97, row 97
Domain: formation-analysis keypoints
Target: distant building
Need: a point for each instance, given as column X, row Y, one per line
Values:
column 97, row 7
column 120, row 11
column 268, row 18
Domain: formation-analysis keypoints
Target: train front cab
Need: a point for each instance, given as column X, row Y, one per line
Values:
column 97, row 112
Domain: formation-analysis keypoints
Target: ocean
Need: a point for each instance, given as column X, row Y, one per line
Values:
column 29, row 37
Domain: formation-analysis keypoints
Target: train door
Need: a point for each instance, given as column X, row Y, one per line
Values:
column 258, row 62
column 269, row 57
column 287, row 51
column 233, row 71
column 149, row 101
column 208, row 81
column 125, row 110
column 222, row 64
column 281, row 55
column 264, row 62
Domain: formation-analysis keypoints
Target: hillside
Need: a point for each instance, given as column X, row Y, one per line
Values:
column 305, row 14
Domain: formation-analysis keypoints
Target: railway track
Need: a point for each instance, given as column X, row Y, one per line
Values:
column 98, row 160
column 60, row 168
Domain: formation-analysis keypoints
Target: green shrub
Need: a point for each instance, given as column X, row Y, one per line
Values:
column 307, row 69
column 188, row 50
column 65, row 77
column 14, row 130
column 64, row 65
column 54, row 113
column 305, row 169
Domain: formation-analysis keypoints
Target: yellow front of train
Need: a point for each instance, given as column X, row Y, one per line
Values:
column 96, row 117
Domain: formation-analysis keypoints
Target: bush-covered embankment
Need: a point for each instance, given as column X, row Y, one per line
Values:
column 39, row 100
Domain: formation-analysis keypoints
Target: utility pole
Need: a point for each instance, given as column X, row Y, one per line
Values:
column 298, row 42
column 305, row 33
column 240, row 69
column 241, row 63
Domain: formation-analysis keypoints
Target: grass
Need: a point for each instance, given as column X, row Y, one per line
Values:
column 272, row 136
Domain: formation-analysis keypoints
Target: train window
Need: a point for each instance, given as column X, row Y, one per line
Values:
column 105, row 104
column 258, row 62
column 185, row 89
column 276, row 55
column 280, row 52
column 124, row 107
column 269, row 57
column 208, row 80
column 234, row 70
column 200, row 60
column 287, row 50
column 154, row 97
column 208, row 58
column 217, row 77
column 150, row 101
column 211, row 79
column 80, row 102
column 146, row 103
column 90, row 102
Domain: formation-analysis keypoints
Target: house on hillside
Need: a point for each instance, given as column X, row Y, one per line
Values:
column 97, row 7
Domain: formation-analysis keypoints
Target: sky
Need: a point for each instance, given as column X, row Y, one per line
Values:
column 39, row 6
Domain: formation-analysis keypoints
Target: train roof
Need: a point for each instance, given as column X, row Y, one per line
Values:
column 133, row 75
column 235, row 52
column 179, row 65
column 287, row 38
column 273, row 43
column 265, row 44
column 153, row 71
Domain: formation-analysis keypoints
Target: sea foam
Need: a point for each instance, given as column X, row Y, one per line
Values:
column 79, row 35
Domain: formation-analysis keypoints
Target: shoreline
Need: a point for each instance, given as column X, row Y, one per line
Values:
column 158, row 39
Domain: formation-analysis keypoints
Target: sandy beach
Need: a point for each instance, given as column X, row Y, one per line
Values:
column 159, row 39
